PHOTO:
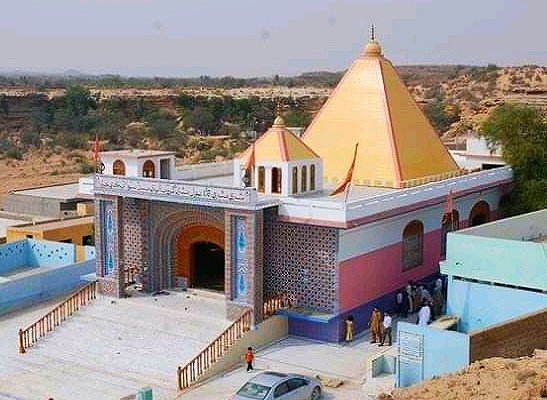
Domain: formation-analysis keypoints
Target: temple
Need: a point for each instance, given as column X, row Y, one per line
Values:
column 267, row 224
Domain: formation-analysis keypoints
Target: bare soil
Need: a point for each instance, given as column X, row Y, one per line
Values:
column 524, row 378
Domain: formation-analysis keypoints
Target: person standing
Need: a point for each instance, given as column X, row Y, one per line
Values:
column 375, row 325
column 349, row 328
column 249, row 358
column 424, row 315
column 399, row 303
column 387, row 331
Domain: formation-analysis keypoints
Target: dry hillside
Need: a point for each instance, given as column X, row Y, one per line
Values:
column 524, row 378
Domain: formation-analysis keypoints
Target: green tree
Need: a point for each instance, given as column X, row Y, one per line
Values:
column 521, row 133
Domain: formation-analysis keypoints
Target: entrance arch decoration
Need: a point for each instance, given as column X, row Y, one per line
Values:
column 163, row 239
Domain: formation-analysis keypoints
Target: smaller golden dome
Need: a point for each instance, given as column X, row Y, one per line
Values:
column 373, row 49
column 279, row 122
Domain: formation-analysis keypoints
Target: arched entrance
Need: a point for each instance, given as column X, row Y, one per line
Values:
column 207, row 265
column 480, row 214
column 199, row 256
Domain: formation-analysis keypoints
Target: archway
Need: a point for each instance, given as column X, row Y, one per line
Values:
column 149, row 169
column 199, row 256
column 480, row 214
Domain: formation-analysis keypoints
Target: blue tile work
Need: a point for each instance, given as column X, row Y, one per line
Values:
column 300, row 260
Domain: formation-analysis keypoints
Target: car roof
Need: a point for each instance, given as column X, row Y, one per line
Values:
column 268, row 378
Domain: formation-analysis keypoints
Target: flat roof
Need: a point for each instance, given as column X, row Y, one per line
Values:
column 15, row 220
column 136, row 153
column 59, row 192
column 530, row 227
column 57, row 224
column 355, row 192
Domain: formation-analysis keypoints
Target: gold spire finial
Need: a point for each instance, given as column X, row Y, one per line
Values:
column 279, row 121
column 372, row 48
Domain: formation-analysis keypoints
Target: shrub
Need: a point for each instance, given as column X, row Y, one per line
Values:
column 15, row 153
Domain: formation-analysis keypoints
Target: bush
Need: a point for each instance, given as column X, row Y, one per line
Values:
column 87, row 168
column 15, row 153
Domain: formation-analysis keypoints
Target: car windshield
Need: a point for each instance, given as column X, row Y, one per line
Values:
column 253, row 391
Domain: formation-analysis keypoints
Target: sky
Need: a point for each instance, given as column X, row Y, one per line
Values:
column 246, row 38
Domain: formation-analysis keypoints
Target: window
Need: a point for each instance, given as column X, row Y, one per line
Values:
column 254, row 390
column 304, row 184
column 312, row 177
column 480, row 214
column 261, row 179
column 281, row 389
column 294, row 180
column 248, row 178
column 295, row 383
column 148, row 169
column 450, row 223
column 30, row 236
column 88, row 240
column 118, row 168
column 413, row 245
column 276, row 180
column 66, row 241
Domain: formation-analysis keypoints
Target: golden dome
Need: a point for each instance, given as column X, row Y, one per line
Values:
column 279, row 122
column 373, row 49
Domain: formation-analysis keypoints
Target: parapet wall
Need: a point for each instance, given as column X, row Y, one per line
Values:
column 515, row 338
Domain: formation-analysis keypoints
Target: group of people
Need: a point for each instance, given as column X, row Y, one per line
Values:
column 421, row 302
column 428, row 302
column 380, row 327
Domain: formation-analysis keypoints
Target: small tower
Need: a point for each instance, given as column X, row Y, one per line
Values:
column 279, row 163
column 138, row 163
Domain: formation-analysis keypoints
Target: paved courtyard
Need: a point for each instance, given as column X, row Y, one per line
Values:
column 113, row 347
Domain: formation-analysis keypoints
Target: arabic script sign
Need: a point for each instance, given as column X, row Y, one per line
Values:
column 150, row 188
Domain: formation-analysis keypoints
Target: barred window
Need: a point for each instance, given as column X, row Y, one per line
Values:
column 295, row 180
column 261, row 179
column 312, row 177
column 304, row 185
column 413, row 245
column 276, row 180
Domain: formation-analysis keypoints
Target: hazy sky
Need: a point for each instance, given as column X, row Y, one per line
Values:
column 262, row 38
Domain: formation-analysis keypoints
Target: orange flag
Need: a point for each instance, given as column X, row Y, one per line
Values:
column 250, row 162
column 342, row 185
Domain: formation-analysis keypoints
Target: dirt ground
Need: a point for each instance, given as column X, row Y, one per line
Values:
column 494, row 378
column 40, row 169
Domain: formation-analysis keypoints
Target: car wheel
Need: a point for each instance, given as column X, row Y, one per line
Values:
column 316, row 393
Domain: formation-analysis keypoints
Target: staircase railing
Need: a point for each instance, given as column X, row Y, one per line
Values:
column 192, row 371
column 277, row 302
column 81, row 297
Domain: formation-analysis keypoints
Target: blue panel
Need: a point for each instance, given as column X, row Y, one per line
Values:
column 44, row 253
column 49, row 284
column 89, row 252
column 240, row 259
column 480, row 305
column 108, row 234
column 441, row 352
column 13, row 255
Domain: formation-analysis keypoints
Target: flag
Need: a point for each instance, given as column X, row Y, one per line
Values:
column 250, row 161
column 448, row 215
column 342, row 185
column 96, row 148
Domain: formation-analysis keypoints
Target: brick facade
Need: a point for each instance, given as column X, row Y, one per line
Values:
column 300, row 260
column 516, row 338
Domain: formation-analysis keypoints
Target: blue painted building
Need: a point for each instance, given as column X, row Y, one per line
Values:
column 32, row 271
column 497, row 272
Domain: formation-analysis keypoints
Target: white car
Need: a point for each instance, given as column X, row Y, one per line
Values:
column 279, row 386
